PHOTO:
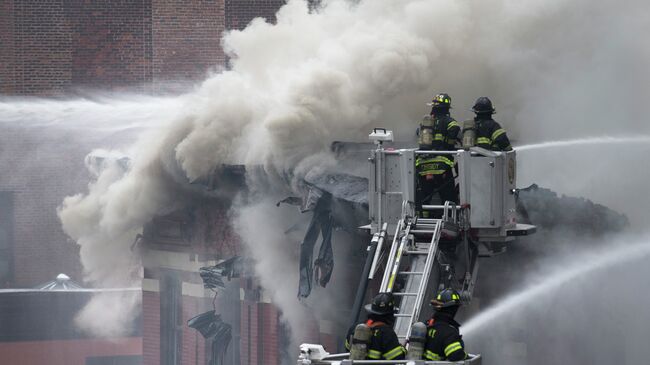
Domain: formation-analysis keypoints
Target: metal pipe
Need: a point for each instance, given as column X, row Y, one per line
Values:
column 436, row 207
column 391, row 256
column 380, row 245
column 363, row 285
column 379, row 167
column 425, row 152
column 396, row 261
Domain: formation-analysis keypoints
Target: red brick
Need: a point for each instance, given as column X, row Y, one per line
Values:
column 68, row 352
column 150, row 328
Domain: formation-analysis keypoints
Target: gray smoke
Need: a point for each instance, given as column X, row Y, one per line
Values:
column 555, row 70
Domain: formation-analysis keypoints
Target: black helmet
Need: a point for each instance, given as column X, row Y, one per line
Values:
column 446, row 298
column 441, row 101
column 382, row 304
column 483, row 105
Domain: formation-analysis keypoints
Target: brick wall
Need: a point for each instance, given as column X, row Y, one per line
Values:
column 40, row 169
column 269, row 350
column 52, row 47
column 72, row 352
column 194, row 345
column 7, row 47
column 240, row 12
column 259, row 328
column 42, row 41
column 57, row 46
column 110, row 43
column 150, row 328
column 186, row 39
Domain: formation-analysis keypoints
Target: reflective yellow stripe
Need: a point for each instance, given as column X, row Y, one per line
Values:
column 444, row 160
column 431, row 333
column 441, row 159
column 394, row 353
column 482, row 140
column 453, row 347
column 374, row 354
column 452, row 124
column 439, row 137
column 347, row 344
column 430, row 355
column 432, row 172
column 497, row 133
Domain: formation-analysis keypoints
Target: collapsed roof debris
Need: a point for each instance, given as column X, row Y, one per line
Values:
column 544, row 208
column 210, row 324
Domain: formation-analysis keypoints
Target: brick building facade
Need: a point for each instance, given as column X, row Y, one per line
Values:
column 175, row 247
column 55, row 47
column 59, row 47
column 30, row 334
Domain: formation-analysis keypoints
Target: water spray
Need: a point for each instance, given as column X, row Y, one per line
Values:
column 586, row 142
column 585, row 264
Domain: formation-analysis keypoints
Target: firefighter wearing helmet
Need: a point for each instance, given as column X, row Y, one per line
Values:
column 383, row 343
column 489, row 133
column 438, row 132
column 443, row 340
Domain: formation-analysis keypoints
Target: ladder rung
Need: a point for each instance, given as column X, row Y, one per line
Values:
column 420, row 231
column 405, row 294
column 417, row 252
column 403, row 315
column 411, row 273
column 429, row 220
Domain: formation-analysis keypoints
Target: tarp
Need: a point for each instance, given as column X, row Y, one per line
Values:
column 320, row 224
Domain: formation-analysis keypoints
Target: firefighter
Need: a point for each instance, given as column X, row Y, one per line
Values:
column 384, row 344
column 438, row 132
column 489, row 133
column 443, row 341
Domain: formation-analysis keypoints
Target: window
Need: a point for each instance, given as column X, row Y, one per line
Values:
column 6, row 238
column 114, row 360
column 171, row 319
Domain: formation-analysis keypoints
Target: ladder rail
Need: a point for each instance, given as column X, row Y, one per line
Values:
column 380, row 246
column 424, row 281
column 412, row 301
column 391, row 255
column 396, row 260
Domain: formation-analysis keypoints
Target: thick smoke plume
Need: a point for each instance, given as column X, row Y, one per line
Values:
column 555, row 70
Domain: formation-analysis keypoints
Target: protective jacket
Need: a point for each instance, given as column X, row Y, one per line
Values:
column 490, row 135
column 444, row 342
column 445, row 132
column 384, row 344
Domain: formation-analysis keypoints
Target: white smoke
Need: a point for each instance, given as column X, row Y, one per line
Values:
column 294, row 87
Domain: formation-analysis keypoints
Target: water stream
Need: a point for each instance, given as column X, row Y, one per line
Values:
column 584, row 264
column 585, row 141
column 103, row 114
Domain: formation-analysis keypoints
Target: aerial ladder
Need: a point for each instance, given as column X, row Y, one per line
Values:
column 433, row 253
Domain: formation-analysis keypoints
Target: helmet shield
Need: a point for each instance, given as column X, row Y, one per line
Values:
column 441, row 101
column 382, row 304
column 483, row 105
column 446, row 298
